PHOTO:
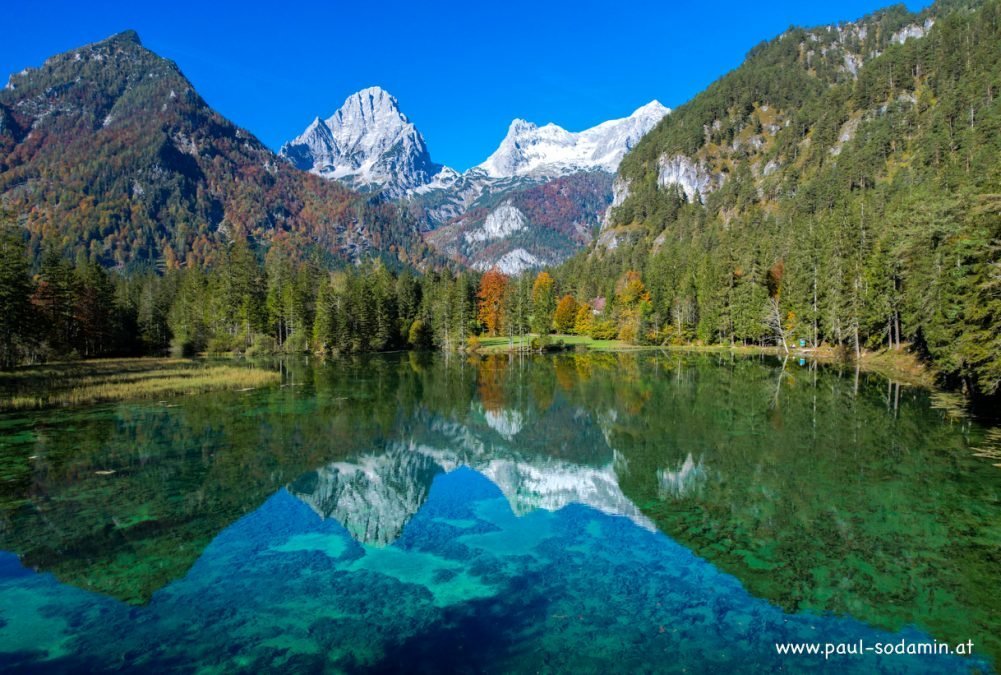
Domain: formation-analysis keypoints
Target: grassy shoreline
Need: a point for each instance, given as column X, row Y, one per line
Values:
column 897, row 365
column 106, row 380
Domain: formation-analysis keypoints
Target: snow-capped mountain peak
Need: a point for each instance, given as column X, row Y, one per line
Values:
column 529, row 149
column 533, row 202
column 654, row 109
column 367, row 143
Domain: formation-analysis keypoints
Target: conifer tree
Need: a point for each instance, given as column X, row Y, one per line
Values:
column 15, row 291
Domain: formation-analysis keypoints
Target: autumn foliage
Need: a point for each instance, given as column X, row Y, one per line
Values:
column 493, row 286
column 566, row 314
column 630, row 290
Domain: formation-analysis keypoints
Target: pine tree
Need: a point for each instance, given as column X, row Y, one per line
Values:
column 244, row 292
column 15, row 291
column 94, row 309
column 55, row 301
column 323, row 324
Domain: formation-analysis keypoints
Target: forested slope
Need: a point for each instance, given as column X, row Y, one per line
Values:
column 108, row 150
column 840, row 187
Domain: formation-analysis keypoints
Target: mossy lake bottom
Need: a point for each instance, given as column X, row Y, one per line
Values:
column 582, row 512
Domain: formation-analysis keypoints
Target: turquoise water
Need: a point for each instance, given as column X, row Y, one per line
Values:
column 568, row 514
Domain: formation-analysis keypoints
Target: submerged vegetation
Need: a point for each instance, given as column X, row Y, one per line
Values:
column 103, row 380
column 820, row 489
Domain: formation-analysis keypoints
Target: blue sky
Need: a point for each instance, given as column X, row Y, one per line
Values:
column 461, row 70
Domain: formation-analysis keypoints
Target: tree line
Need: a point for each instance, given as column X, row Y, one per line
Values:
column 257, row 300
column 838, row 290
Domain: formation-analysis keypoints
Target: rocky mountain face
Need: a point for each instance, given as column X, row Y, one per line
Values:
column 109, row 150
column 529, row 223
column 535, row 201
column 374, row 496
column 550, row 186
column 367, row 144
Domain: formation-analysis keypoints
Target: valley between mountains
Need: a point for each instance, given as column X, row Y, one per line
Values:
column 662, row 390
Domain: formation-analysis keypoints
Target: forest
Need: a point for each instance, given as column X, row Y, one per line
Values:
column 859, row 212
column 259, row 301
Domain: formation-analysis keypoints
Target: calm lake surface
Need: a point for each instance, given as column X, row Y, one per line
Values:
column 585, row 512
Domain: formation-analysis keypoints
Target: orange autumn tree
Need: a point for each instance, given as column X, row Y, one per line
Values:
column 630, row 291
column 566, row 314
column 493, row 286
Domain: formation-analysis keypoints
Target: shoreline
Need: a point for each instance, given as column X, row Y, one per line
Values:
column 900, row 366
column 104, row 380
column 108, row 380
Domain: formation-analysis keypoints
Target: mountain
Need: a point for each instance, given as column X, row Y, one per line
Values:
column 839, row 188
column 374, row 496
column 529, row 149
column 524, row 223
column 537, row 200
column 752, row 118
column 108, row 150
column 367, row 144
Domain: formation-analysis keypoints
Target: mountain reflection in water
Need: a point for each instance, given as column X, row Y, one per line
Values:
column 498, row 514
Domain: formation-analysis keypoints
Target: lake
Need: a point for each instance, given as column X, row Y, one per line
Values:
column 586, row 512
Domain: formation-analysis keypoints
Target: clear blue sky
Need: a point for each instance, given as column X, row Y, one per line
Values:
column 461, row 70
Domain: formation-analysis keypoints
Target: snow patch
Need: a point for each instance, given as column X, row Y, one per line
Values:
column 442, row 180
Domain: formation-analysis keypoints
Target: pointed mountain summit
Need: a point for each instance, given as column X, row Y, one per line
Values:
column 528, row 149
column 368, row 144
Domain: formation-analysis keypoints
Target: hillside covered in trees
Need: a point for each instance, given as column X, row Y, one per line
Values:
column 842, row 187
column 109, row 152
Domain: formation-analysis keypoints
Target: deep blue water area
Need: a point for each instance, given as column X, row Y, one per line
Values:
column 468, row 586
